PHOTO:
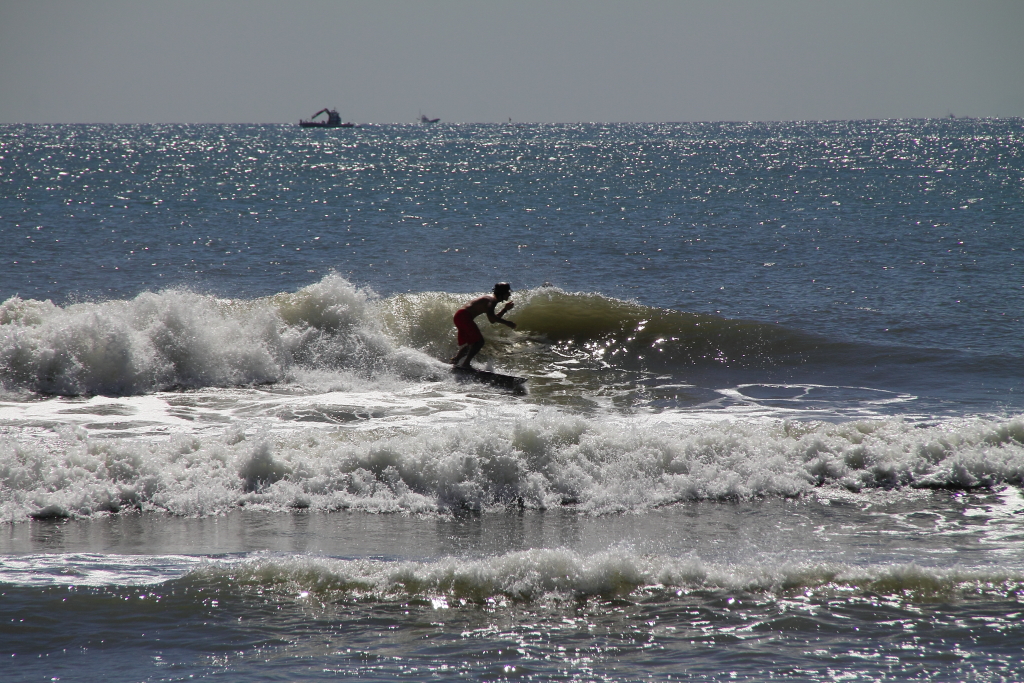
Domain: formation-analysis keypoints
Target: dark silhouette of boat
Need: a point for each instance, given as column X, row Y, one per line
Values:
column 424, row 120
column 333, row 120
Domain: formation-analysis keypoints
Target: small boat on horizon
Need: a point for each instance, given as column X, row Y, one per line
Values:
column 333, row 120
column 424, row 120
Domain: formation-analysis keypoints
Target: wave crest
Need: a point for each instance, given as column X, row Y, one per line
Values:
column 560, row 573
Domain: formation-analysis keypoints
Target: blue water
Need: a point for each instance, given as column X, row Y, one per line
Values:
column 773, row 427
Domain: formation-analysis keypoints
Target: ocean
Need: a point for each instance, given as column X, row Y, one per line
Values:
column 773, row 425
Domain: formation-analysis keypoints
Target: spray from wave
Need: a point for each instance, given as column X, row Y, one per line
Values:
column 178, row 339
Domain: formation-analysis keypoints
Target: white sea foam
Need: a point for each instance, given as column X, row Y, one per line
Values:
column 540, row 459
column 177, row 338
column 94, row 569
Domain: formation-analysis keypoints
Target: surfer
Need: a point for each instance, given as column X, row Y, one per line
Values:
column 470, row 339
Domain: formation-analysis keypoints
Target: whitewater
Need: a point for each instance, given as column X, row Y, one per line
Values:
column 773, row 425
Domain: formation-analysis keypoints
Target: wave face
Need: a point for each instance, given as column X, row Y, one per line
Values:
column 611, row 331
column 630, row 331
column 596, row 465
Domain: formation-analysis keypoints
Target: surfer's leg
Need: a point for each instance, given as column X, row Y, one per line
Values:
column 470, row 337
column 473, row 350
column 463, row 350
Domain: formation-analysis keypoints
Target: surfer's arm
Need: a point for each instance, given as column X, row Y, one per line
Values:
column 497, row 317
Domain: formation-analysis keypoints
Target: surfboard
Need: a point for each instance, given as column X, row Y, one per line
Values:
column 493, row 378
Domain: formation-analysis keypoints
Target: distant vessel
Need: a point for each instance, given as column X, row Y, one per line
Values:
column 333, row 120
column 425, row 120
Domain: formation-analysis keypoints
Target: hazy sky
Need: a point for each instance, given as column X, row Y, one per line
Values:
column 488, row 60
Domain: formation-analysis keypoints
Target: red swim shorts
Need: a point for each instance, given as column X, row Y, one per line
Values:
column 469, row 333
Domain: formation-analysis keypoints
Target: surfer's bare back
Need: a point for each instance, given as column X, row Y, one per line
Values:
column 470, row 339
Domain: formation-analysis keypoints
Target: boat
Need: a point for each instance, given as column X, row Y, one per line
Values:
column 424, row 120
column 333, row 120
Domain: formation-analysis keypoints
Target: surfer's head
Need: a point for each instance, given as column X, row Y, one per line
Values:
column 502, row 291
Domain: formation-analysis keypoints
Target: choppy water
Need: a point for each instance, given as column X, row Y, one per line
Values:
column 773, row 428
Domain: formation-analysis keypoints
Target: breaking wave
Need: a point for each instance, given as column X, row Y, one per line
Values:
column 541, row 573
column 538, row 574
column 178, row 339
column 597, row 465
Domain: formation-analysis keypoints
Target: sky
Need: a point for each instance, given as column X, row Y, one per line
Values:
column 384, row 61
